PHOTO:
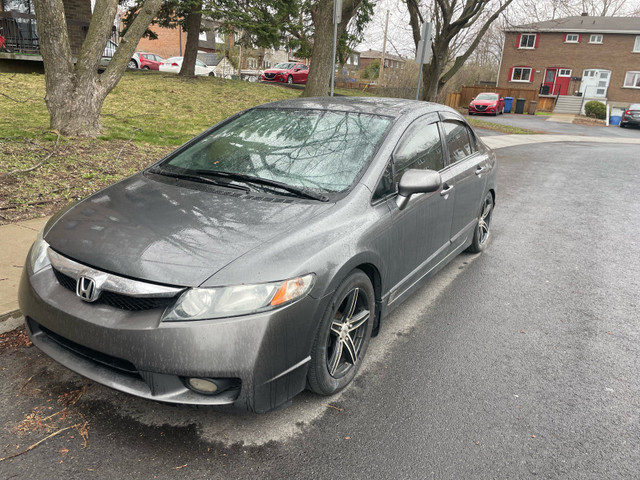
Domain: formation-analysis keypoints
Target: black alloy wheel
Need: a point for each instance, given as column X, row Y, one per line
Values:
column 482, row 232
column 343, row 335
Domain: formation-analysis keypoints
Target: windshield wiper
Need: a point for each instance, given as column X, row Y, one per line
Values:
column 300, row 192
column 198, row 178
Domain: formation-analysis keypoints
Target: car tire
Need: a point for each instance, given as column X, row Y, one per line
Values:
column 622, row 125
column 146, row 67
column 132, row 64
column 290, row 80
column 211, row 74
column 343, row 335
column 482, row 232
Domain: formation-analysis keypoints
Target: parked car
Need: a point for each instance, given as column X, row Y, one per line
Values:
column 145, row 61
column 260, row 257
column 491, row 103
column 289, row 72
column 174, row 64
column 631, row 116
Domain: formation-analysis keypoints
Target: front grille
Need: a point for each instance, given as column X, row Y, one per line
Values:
column 116, row 363
column 270, row 76
column 117, row 300
column 481, row 108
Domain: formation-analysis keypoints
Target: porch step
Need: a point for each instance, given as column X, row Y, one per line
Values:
column 568, row 104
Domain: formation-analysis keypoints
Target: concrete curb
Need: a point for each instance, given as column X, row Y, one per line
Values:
column 11, row 321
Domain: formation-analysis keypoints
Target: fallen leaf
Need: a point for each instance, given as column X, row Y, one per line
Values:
column 347, row 438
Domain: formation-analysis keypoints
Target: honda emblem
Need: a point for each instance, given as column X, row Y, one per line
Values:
column 87, row 290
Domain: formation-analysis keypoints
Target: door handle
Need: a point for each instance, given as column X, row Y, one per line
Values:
column 480, row 170
column 446, row 190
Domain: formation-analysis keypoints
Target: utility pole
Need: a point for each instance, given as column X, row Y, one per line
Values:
column 384, row 50
column 337, row 18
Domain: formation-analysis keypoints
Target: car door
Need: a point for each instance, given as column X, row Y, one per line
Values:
column 467, row 166
column 419, row 236
column 201, row 68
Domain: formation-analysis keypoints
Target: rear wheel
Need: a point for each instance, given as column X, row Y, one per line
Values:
column 482, row 233
column 343, row 335
column 622, row 125
column 132, row 64
column 290, row 80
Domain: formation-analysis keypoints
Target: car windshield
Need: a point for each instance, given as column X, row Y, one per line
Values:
column 634, row 106
column 309, row 149
column 284, row 66
column 487, row 96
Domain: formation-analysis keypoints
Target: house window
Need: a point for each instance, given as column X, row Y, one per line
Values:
column 571, row 38
column 595, row 38
column 632, row 80
column 355, row 60
column 202, row 36
column 564, row 72
column 636, row 46
column 528, row 40
column 521, row 74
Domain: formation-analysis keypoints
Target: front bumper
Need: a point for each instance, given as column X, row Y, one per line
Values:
column 265, row 354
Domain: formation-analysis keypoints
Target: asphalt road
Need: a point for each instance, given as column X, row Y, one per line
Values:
column 520, row 362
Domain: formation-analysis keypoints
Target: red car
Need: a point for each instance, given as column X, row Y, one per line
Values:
column 491, row 103
column 289, row 72
column 145, row 61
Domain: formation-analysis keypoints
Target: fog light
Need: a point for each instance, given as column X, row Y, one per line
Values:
column 202, row 385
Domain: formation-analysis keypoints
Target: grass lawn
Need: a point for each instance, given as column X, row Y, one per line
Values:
column 143, row 119
column 498, row 127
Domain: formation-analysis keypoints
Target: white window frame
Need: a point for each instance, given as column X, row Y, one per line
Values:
column 564, row 72
column 513, row 73
column 630, row 76
column 596, row 38
column 572, row 40
column 522, row 37
column 636, row 45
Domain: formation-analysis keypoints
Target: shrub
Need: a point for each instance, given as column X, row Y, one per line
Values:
column 596, row 109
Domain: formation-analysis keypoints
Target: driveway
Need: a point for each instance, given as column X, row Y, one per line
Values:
column 546, row 124
column 519, row 362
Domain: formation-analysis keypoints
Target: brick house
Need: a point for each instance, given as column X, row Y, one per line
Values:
column 595, row 58
column 393, row 64
column 20, row 38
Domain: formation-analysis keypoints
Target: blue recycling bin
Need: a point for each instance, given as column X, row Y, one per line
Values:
column 508, row 101
column 615, row 119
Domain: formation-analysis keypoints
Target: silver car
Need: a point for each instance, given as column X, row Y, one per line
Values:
column 259, row 258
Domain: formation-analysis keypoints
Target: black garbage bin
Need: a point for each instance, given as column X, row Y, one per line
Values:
column 544, row 90
column 520, row 105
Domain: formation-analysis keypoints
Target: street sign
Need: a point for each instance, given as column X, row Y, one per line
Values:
column 423, row 55
column 337, row 11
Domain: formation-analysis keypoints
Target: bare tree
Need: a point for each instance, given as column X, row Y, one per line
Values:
column 75, row 89
column 460, row 24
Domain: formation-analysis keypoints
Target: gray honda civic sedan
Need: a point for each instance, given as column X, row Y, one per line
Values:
column 259, row 258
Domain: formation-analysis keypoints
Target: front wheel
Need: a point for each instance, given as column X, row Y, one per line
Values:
column 482, row 231
column 290, row 80
column 211, row 74
column 343, row 335
column 132, row 64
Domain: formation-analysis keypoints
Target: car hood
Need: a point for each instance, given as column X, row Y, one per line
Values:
column 170, row 231
column 275, row 70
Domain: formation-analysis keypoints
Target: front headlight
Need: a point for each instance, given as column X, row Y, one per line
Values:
column 38, row 258
column 218, row 302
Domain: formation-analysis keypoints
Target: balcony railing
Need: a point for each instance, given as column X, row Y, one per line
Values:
column 18, row 33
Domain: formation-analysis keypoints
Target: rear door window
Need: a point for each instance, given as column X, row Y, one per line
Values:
column 460, row 142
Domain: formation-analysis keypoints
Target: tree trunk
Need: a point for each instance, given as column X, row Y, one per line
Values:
column 319, row 79
column 322, row 60
column 193, row 39
column 75, row 89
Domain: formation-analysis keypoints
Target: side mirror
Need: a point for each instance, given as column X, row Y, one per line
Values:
column 417, row 181
column 297, row 69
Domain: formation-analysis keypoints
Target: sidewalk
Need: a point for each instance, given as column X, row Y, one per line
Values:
column 15, row 241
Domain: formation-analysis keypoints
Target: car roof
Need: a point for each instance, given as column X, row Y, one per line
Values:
column 391, row 107
column 634, row 106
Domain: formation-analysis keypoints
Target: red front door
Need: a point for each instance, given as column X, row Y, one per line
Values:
column 557, row 79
